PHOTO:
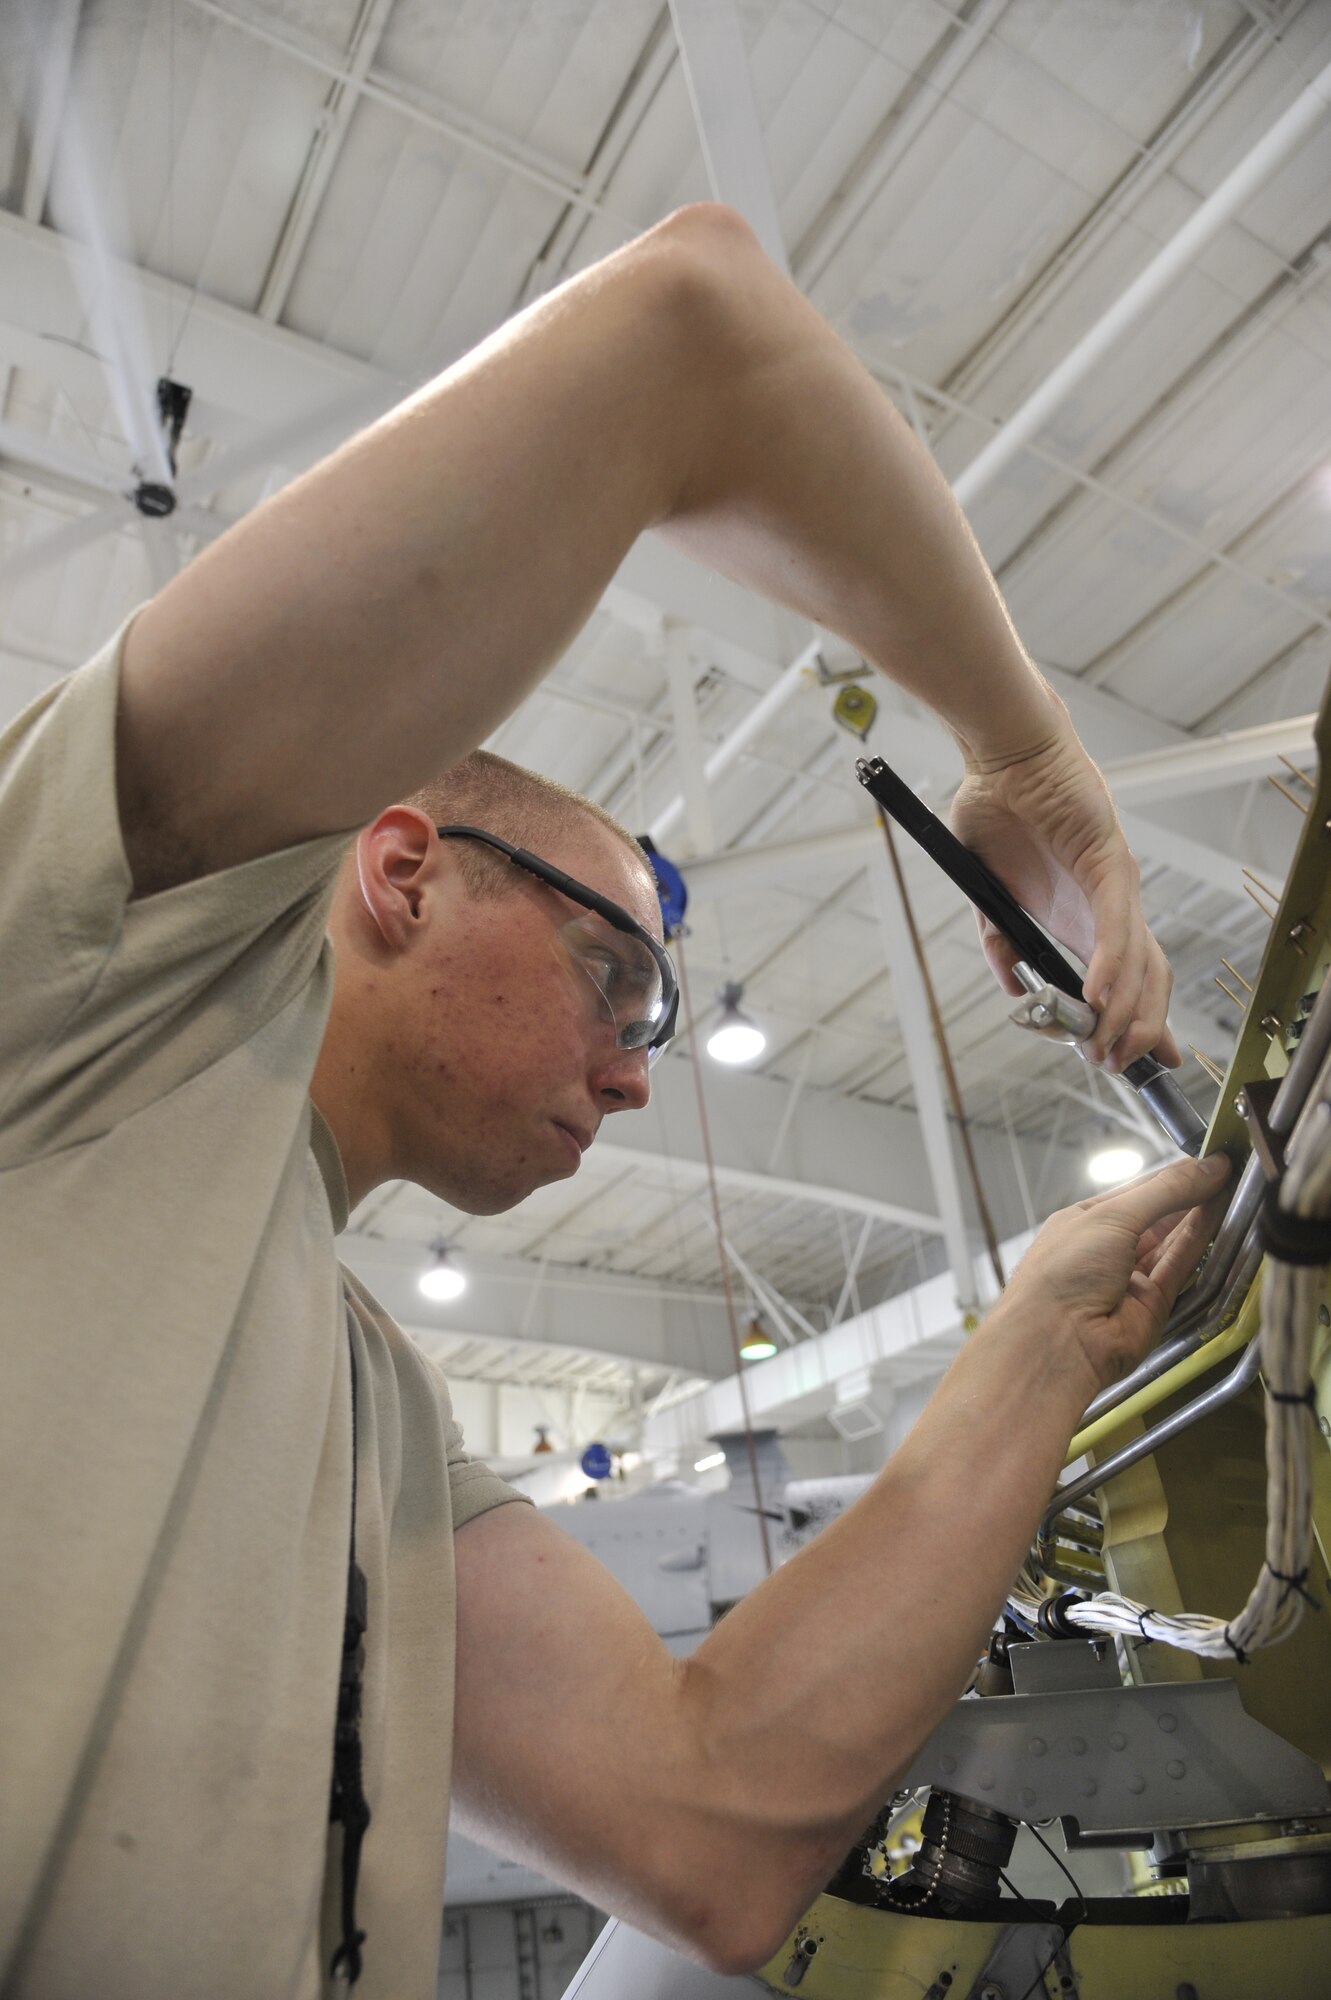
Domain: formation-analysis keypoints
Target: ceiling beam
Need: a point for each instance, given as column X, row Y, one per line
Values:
column 1206, row 93
column 897, row 381
column 326, row 143
column 264, row 373
column 470, row 133
column 655, row 60
column 716, row 70
column 611, row 1317
column 845, row 1154
column 752, row 1180
column 923, row 93
column 914, row 1334
column 1308, row 110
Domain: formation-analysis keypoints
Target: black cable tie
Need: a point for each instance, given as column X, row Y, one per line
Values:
column 1146, row 1638
column 1296, row 1583
column 1235, row 1648
column 1308, row 1397
column 1301, row 1240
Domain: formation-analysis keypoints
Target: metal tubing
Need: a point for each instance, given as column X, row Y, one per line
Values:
column 1203, row 1323
column 1238, row 1378
column 1193, row 1324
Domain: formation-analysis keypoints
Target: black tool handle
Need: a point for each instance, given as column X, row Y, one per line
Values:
column 1147, row 1076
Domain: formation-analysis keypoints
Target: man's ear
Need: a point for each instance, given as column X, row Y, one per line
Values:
column 397, row 859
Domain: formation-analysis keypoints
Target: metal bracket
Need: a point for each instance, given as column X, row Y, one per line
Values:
column 1018, row 1962
column 1050, row 1012
column 1253, row 1105
column 1119, row 1764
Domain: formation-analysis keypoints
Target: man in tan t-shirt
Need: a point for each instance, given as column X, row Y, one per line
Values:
column 225, row 1023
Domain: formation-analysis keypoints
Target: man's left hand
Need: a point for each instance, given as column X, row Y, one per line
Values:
column 1046, row 825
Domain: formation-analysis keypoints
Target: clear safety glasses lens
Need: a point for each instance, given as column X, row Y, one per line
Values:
column 625, row 976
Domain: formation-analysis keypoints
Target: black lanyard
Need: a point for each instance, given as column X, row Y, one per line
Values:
column 347, row 1803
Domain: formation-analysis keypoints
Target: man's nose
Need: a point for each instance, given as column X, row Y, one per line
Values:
column 620, row 1080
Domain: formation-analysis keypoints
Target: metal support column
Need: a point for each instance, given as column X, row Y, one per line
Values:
column 716, row 69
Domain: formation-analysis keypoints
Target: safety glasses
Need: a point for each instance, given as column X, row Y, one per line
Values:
column 631, row 973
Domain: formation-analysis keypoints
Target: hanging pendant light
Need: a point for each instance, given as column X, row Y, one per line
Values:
column 441, row 1280
column 1113, row 1164
column 735, row 1038
column 757, row 1344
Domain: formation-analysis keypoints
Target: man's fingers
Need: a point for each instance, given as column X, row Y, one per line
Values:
column 1147, row 1031
column 1116, row 958
column 1177, row 1258
column 1166, row 1048
column 1001, row 955
column 1182, row 1184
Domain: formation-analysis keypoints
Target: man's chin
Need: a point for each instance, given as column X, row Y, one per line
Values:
column 482, row 1198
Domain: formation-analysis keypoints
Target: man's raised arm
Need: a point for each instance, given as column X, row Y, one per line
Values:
column 358, row 633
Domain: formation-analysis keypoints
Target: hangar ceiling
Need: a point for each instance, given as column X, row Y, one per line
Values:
column 303, row 209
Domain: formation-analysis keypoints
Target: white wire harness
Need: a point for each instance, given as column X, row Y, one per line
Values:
column 1291, row 1294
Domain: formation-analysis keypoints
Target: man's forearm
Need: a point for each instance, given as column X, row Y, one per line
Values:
column 808, row 485
column 811, row 1697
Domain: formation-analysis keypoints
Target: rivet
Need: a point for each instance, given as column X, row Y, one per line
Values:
column 1167, row 1722
column 1026, row 1796
column 1136, row 1784
column 1088, row 1788
column 1037, row 1746
column 947, row 1765
column 1176, row 1767
column 1077, row 1745
column 1117, row 1740
column 986, row 1781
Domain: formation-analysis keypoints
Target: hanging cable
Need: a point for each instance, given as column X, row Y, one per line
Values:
column 945, row 1057
column 721, row 1252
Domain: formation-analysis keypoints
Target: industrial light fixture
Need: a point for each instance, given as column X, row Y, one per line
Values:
column 757, row 1344
column 1113, row 1164
column 441, row 1280
column 710, row 1463
column 735, row 1038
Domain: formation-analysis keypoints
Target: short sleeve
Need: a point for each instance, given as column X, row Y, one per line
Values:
column 473, row 1488
column 111, row 1003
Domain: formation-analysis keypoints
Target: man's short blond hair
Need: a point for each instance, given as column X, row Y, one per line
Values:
column 489, row 792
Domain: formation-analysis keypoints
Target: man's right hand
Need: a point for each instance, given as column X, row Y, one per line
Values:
column 1104, row 1274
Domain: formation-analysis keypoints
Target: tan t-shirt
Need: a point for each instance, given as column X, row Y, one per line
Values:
column 175, row 1432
